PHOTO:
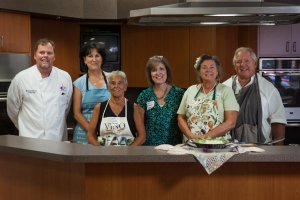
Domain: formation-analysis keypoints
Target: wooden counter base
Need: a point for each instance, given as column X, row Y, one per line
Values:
column 29, row 178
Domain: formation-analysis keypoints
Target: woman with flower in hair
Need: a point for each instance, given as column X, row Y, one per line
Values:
column 208, row 109
column 159, row 104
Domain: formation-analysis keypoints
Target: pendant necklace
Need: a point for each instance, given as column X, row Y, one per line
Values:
column 94, row 82
column 164, row 94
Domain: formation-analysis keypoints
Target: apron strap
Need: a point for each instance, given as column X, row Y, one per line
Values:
column 87, row 78
column 105, row 80
column 214, row 94
column 105, row 108
column 121, row 111
column 87, row 82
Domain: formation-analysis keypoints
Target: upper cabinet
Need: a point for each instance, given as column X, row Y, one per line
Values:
column 15, row 34
column 279, row 41
column 138, row 44
column 181, row 46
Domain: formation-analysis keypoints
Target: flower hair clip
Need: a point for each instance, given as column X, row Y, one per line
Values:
column 156, row 58
column 197, row 63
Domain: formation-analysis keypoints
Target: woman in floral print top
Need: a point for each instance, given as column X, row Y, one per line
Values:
column 159, row 104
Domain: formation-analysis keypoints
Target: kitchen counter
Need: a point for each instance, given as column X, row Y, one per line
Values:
column 36, row 169
column 76, row 153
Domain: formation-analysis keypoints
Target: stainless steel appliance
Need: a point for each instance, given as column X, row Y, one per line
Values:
column 6, row 125
column 212, row 12
column 10, row 65
column 284, row 73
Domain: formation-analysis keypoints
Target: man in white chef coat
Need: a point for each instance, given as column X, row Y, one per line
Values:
column 38, row 99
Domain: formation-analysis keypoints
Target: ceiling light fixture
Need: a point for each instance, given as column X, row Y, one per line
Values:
column 228, row 15
column 213, row 23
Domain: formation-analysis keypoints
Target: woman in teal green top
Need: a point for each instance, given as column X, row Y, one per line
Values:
column 160, row 103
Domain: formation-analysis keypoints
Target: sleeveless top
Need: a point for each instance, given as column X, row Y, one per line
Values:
column 110, row 113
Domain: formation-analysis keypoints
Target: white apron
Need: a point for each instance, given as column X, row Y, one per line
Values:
column 115, row 130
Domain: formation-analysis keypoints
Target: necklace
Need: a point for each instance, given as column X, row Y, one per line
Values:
column 203, row 90
column 201, row 87
column 163, row 95
column 95, row 80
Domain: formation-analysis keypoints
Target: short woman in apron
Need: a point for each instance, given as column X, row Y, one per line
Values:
column 208, row 109
column 89, row 90
column 117, row 121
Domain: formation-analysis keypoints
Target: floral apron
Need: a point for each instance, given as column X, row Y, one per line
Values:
column 202, row 114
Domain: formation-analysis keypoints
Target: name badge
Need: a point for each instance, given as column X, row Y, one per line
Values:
column 150, row 105
column 31, row 91
column 115, row 120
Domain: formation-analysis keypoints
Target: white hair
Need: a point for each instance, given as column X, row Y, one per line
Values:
column 117, row 73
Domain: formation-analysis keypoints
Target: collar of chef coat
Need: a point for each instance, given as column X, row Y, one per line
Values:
column 51, row 76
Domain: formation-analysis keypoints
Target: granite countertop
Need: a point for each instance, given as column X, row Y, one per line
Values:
column 78, row 153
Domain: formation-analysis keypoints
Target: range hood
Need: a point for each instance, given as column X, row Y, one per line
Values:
column 205, row 12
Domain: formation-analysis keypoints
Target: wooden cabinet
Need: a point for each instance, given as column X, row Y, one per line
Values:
column 221, row 41
column 15, row 36
column 140, row 43
column 279, row 41
column 181, row 46
column 66, row 36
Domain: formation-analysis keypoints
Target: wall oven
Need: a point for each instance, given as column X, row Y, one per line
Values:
column 6, row 125
column 284, row 73
column 10, row 65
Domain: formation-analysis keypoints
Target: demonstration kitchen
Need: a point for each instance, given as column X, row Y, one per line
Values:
column 133, row 31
